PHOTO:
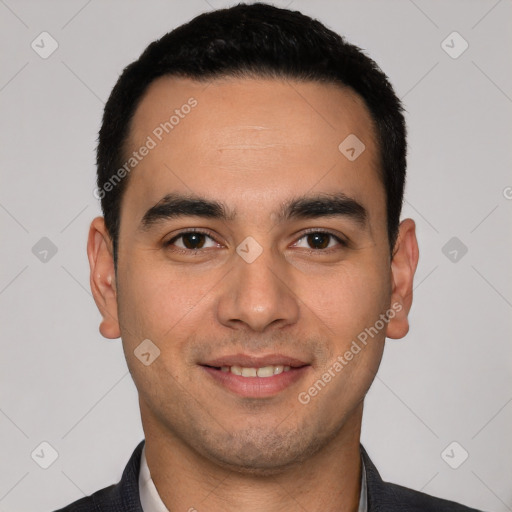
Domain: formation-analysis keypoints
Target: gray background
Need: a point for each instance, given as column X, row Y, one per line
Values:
column 448, row 380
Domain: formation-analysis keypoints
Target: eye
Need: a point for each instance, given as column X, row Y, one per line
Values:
column 191, row 240
column 320, row 241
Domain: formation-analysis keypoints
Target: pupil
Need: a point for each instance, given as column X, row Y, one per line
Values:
column 320, row 240
column 193, row 240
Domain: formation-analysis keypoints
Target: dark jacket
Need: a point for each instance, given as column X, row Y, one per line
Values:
column 382, row 496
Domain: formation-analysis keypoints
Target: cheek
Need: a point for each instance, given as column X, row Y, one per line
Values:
column 157, row 306
column 147, row 305
column 156, row 302
column 348, row 300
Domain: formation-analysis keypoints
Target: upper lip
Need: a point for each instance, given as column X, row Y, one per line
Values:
column 248, row 361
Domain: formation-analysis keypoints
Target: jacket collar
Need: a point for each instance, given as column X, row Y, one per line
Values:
column 124, row 497
column 375, row 486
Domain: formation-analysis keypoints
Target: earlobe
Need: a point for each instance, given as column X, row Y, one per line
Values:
column 403, row 268
column 102, row 277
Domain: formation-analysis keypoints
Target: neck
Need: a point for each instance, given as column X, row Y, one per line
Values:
column 328, row 481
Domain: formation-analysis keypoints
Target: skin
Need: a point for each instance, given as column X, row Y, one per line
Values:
column 252, row 144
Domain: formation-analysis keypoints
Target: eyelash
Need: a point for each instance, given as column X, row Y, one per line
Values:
column 340, row 240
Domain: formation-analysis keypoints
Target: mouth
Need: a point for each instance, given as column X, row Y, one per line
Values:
column 263, row 372
column 256, row 377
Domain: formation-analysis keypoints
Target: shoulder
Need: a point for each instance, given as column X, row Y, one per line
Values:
column 121, row 497
column 394, row 495
column 94, row 503
column 387, row 497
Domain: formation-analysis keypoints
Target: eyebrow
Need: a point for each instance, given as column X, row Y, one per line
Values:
column 174, row 206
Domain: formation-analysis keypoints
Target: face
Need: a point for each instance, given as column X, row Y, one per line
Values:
column 254, row 255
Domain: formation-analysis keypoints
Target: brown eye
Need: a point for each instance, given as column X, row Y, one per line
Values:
column 191, row 240
column 320, row 241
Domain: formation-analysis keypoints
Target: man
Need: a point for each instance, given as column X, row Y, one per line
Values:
column 251, row 168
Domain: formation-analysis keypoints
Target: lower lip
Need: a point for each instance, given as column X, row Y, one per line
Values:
column 256, row 387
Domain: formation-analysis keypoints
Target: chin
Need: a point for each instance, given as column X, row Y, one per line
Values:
column 259, row 452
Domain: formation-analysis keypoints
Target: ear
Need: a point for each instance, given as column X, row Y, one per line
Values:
column 403, row 267
column 103, row 278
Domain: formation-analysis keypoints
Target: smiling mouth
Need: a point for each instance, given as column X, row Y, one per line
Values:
column 256, row 377
column 243, row 371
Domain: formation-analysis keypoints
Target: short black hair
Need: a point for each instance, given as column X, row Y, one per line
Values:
column 253, row 40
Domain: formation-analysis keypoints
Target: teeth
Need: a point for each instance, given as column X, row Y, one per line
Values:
column 237, row 370
column 249, row 372
column 264, row 371
column 278, row 369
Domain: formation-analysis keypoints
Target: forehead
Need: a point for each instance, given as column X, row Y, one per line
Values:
column 260, row 138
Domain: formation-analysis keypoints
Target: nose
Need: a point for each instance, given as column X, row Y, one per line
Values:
column 258, row 295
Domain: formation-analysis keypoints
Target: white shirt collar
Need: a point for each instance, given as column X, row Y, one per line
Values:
column 149, row 497
column 151, row 501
